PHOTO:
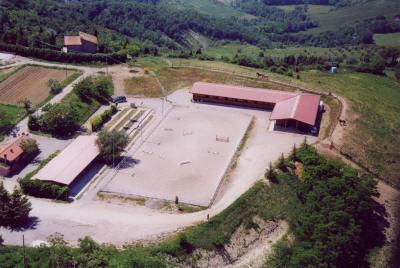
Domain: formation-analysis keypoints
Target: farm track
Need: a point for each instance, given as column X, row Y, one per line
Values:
column 30, row 82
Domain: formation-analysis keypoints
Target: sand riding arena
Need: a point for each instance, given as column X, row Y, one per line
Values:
column 186, row 156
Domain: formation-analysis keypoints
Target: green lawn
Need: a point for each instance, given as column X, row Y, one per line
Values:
column 375, row 136
column 9, row 116
column 348, row 15
column 230, row 50
column 387, row 40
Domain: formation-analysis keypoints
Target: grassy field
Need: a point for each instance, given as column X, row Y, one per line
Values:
column 9, row 116
column 210, row 7
column 30, row 82
column 387, row 40
column 312, row 9
column 178, row 78
column 375, row 136
column 230, row 50
column 333, row 20
column 143, row 86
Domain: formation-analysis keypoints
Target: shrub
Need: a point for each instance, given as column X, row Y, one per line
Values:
column 30, row 146
column 98, row 121
column 43, row 189
column 47, row 107
column 55, row 86
column 33, row 123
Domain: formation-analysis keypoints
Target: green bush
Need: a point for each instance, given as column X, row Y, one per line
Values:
column 43, row 189
column 55, row 86
column 98, row 121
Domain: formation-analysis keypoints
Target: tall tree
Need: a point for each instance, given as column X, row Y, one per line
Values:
column 111, row 145
column 4, row 202
column 19, row 207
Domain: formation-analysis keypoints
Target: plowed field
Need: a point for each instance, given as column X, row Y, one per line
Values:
column 30, row 82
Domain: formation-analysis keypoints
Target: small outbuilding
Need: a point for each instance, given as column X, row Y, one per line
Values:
column 11, row 155
column 83, row 42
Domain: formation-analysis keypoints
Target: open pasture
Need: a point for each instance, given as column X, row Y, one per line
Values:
column 183, row 157
column 30, row 82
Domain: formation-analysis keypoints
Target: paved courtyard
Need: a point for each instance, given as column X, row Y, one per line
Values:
column 182, row 157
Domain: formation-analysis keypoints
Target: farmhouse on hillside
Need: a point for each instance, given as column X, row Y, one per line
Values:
column 69, row 164
column 83, row 42
column 289, row 109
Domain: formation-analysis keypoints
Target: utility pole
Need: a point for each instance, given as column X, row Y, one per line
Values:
column 23, row 248
column 112, row 137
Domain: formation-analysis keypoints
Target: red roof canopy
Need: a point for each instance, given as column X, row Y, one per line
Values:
column 72, row 41
column 243, row 93
column 288, row 105
column 12, row 151
column 77, row 40
column 303, row 108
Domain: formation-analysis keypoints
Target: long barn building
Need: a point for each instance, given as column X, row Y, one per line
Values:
column 289, row 109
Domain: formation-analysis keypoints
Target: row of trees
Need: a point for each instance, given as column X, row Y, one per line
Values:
column 64, row 118
column 14, row 208
column 59, row 56
column 375, row 62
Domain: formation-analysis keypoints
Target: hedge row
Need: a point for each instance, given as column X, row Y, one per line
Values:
column 98, row 121
column 55, row 55
column 43, row 189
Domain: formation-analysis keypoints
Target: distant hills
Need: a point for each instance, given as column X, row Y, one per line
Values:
column 189, row 24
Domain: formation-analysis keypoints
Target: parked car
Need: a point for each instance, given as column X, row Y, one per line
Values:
column 119, row 99
column 314, row 130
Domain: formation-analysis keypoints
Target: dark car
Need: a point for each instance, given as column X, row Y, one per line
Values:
column 119, row 99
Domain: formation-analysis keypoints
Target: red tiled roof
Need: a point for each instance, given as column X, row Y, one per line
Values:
column 12, row 150
column 72, row 41
column 243, row 93
column 88, row 37
column 288, row 105
column 303, row 108
column 77, row 40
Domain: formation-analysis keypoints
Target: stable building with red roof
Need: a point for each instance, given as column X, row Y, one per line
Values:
column 289, row 109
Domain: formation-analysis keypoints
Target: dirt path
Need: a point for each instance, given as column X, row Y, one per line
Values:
column 119, row 74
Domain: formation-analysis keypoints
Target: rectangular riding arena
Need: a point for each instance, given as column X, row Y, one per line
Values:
column 30, row 82
column 185, row 157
